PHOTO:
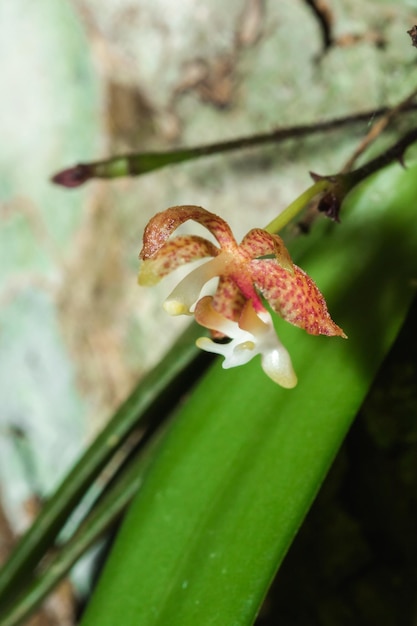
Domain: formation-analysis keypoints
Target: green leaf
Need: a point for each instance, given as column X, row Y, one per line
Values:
column 242, row 462
column 145, row 405
column 103, row 516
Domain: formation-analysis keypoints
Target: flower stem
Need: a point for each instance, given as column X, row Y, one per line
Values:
column 298, row 205
column 140, row 163
column 335, row 187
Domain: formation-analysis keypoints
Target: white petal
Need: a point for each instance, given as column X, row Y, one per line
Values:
column 236, row 352
column 182, row 299
column 277, row 365
column 255, row 334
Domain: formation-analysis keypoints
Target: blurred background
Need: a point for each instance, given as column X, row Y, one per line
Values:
column 85, row 79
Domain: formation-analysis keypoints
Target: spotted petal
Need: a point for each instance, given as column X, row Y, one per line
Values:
column 295, row 297
column 228, row 299
column 258, row 243
column 173, row 254
column 163, row 224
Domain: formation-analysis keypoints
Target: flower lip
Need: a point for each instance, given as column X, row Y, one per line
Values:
column 254, row 334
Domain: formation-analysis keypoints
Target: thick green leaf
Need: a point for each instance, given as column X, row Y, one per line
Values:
column 241, row 464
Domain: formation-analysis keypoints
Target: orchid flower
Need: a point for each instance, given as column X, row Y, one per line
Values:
column 260, row 266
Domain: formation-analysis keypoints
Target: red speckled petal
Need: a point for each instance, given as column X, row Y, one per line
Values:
column 173, row 254
column 295, row 297
column 259, row 243
column 244, row 281
column 228, row 299
column 162, row 225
